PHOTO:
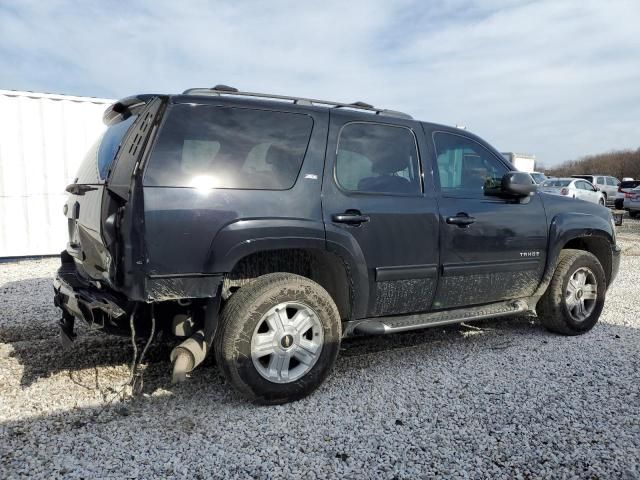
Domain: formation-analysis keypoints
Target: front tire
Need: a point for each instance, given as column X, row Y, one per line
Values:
column 278, row 338
column 575, row 297
column 601, row 202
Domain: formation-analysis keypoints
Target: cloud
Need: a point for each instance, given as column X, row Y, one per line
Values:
column 555, row 78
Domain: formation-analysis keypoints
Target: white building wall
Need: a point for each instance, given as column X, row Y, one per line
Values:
column 43, row 139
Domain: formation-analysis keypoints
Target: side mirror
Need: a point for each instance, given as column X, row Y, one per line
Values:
column 513, row 185
column 518, row 184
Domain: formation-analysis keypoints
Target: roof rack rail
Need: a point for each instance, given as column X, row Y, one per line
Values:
column 226, row 90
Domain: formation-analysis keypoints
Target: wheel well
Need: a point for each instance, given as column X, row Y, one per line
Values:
column 598, row 246
column 322, row 267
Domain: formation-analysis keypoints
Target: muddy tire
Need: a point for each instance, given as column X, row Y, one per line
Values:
column 278, row 338
column 575, row 297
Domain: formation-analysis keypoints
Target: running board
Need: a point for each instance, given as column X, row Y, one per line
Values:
column 403, row 323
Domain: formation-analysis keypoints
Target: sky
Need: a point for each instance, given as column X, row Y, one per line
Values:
column 556, row 78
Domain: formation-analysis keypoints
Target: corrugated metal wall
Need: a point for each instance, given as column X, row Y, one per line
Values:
column 43, row 139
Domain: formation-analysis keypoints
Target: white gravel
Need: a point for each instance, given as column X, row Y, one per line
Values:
column 498, row 399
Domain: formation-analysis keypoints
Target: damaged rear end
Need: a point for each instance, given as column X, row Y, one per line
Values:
column 99, row 279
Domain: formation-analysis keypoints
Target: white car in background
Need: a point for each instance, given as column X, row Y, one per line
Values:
column 606, row 184
column 632, row 202
column 573, row 188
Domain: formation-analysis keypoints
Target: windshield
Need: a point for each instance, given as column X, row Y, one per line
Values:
column 556, row 183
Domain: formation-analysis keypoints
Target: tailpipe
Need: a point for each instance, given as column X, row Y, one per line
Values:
column 188, row 355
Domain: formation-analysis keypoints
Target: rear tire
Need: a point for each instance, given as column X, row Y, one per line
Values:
column 278, row 338
column 575, row 297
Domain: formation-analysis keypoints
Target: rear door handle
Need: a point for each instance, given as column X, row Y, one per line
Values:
column 350, row 218
column 461, row 220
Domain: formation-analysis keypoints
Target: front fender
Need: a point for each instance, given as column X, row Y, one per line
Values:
column 568, row 226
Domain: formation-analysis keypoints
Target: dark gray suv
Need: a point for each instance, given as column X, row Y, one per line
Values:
column 265, row 229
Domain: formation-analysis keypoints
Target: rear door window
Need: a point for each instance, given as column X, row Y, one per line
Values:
column 207, row 146
column 374, row 158
column 612, row 182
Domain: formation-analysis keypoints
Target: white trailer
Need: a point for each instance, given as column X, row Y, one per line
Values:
column 522, row 161
column 43, row 139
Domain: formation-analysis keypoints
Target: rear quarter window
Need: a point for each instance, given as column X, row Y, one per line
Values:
column 205, row 146
column 98, row 160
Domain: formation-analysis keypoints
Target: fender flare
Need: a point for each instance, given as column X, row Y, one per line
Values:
column 246, row 236
column 565, row 227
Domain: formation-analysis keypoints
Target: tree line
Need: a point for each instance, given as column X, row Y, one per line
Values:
column 619, row 164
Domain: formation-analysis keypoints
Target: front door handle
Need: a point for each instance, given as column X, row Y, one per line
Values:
column 461, row 219
column 350, row 217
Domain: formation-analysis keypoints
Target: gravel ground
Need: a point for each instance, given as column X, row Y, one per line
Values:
column 496, row 399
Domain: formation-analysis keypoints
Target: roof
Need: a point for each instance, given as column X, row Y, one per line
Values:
column 224, row 90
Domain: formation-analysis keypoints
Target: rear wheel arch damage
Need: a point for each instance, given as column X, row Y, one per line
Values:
column 326, row 269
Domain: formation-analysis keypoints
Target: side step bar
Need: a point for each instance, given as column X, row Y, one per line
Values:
column 403, row 323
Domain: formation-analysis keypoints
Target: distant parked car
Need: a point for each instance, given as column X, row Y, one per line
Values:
column 538, row 177
column 573, row 188
column 606, row 184
column 624, row 190
column 632, row 202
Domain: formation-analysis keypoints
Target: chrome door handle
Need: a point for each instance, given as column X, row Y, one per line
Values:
column 461, row 220
column 350, row 218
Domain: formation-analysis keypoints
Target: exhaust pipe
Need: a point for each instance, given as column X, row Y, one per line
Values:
column 188, row 355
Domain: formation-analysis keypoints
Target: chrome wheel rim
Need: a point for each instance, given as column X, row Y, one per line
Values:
column 287, row 342
column 581, row 294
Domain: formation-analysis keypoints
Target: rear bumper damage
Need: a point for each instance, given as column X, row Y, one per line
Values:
column 80, row 299
column 114, row 312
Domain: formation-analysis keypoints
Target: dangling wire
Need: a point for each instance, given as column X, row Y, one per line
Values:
column 135, row 375
column 153, row 331
column 132, row 328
